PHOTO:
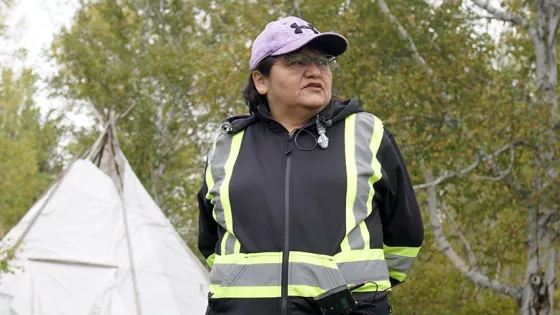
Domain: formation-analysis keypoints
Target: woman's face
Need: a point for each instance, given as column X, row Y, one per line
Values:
column 293, row 84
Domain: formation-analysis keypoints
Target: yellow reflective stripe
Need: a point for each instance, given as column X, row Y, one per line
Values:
column 209, row 178
column 315, row 259
column 249, row 259
column 263, row 291
column 397, row 275
column 364, row 230
column 210, row 260
column 402, row 251
column 359, row 255
column 375, row 286
column 219, row 292
column 276, row 258
column 376, row 166
column 293, row 290
column 351, row 177
column 224, row 241
column 224, row 190
column 304, row 290
column 237, row 247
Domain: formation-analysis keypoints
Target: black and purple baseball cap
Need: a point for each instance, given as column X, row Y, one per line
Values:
column 290, row 34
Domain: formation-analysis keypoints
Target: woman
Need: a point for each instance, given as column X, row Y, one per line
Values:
column 306, row 194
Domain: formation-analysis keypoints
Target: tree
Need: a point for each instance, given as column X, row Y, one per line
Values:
column 4, row 255
column 142, row 59
column 29, row 144
column 28, row 147
column 531, row 164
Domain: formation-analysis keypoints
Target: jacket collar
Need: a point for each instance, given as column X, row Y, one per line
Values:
column 335, row 111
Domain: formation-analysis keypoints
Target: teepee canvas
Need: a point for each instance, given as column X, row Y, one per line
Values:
column 96, row 243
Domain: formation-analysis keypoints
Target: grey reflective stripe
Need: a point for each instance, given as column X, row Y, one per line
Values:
column 363, row 156
column 313, row 275
column 224, row 155
column 399, row 263
column 355, row 238
column 365, row 270
column 230, row 243
column 219, row 272
column 228, row 275
column 217, row 165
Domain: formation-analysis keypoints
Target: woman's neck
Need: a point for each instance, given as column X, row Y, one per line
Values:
column 291, row 125
column 293, row 119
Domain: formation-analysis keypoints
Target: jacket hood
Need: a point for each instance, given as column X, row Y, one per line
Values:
column 343, row 109
column 334, row 112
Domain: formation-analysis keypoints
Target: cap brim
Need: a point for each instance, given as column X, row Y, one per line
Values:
column 329, row 43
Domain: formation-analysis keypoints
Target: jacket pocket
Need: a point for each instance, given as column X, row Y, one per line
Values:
column 315, row 270
column 224, row 277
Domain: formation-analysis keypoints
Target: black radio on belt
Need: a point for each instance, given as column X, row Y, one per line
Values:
column 340, row 301
column 337, row 301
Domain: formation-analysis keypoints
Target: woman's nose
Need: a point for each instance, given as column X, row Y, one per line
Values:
column 313, row 70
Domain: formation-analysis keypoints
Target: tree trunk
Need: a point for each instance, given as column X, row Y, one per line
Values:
column 538, row 293
column 533, row 280
column 550, row 277
column 158, row 167
column 545, row 44
column 540, row 272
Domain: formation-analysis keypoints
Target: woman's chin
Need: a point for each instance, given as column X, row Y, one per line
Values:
column 314, row 103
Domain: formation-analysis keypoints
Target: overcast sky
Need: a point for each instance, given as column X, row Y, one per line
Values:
column 32, row 25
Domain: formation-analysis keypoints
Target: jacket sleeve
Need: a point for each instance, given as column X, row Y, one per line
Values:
column 403, row 231
column 207, row 226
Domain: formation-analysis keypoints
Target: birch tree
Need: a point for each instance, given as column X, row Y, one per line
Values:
column 532, row 183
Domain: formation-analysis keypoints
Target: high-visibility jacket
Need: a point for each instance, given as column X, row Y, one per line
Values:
column 283, row 219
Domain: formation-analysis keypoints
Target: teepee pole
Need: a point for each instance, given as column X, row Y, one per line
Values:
column 38, row 213
column 90, row 154
column 119, row 168
column 51, row 191
column 54, row 187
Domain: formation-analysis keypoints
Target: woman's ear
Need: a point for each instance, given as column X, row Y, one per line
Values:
column 261, row 83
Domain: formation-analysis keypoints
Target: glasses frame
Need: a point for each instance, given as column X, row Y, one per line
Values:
column 331, row 62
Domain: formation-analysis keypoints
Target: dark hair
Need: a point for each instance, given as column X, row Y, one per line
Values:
column 250, row 94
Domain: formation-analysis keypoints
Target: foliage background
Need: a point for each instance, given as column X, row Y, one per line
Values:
column 178, row 68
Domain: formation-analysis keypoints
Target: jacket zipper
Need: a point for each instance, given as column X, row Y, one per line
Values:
column 286, row 249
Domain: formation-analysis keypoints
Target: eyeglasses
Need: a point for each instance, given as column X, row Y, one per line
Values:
column 301, row 62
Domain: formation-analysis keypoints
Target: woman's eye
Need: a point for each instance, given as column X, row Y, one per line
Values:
column 297, row 61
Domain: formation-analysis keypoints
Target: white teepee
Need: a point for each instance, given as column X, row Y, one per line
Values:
column 96, row 243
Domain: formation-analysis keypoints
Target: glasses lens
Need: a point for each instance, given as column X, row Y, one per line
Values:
column 326, row 62
column 303, row 62
column 331, row 60
column 298, row 61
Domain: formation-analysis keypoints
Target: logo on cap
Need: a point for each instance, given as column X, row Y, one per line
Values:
column 300, row 27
